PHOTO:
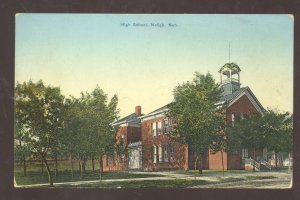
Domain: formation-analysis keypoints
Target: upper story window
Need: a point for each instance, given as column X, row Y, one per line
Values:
column 168, row 125
column 232, row 119
column 122, row 139
column 162, row 127
column 154, row 132
column 167, row 121
column 159, row 127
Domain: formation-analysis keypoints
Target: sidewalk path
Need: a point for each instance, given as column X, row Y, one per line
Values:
column 282, row 180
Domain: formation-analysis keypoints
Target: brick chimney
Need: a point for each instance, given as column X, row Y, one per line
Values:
column 138, row 110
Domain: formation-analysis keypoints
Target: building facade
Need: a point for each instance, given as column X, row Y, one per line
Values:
column 147, row 146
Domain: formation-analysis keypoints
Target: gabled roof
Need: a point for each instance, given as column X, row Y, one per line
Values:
column 230, row 99
column 165, row 107
column 157, row 111
column 132, row 118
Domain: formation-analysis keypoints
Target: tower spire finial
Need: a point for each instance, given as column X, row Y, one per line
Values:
column 229, row 52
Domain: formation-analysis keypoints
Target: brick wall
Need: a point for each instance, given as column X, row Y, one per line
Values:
column 131, row 134
column 233, row 160
column 243, row 105
column 192, row 159
column 148, row 140
column 215, row 161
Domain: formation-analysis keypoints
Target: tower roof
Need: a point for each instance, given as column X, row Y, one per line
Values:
column 234, row 68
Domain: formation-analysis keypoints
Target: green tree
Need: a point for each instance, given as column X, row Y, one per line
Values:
column 198, row 119
column 22, row 150
column 272, row 130
column 247, row 133
column 278, row 128
column 220, row 139
column 72, row 127
column 40, row 107
column 102, row 113
column 88, row 127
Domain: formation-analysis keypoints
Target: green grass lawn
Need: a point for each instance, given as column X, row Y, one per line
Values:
column 35, row 175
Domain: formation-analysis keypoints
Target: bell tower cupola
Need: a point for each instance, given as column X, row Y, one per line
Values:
column 230, row 78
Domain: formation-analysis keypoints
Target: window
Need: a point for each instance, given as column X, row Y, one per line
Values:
column 159, row 128
column 122, row 159
column 232, row 119
column 166, row 122
column 122, row 140
column 154, row 129
column 171, row 152
column 107, row 161
column 167, row 125
column 154, row 154
column 160, row 155
column 166, row 159
column 245, row 153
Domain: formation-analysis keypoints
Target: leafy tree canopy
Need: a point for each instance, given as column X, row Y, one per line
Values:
column 198, row 119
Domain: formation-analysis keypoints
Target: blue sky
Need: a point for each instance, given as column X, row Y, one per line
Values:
column 143, row 64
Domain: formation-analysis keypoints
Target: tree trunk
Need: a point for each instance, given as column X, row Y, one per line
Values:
column 49, row 172
column 93, row 165
column 79, row 168
column 42, row 165
column 72, row 167
column 195, row 164
column 56, row 171
column 100, row 167
column 254, row 160
column 200, row 164
column 83, row 166
column 222, row 161
column 24, row 165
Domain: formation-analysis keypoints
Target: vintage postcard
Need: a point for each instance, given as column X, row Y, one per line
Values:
column 153, row 101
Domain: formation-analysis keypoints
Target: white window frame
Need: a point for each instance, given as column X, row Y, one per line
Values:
column 160, row 154
column 159, row 127
column 154, row 154
column 166, row 121
column 245, row 153
column 154, row 129
column 232, row 118
column 172, row 158
column 165, row 151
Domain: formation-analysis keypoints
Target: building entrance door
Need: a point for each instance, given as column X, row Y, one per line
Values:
column 135, row 156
